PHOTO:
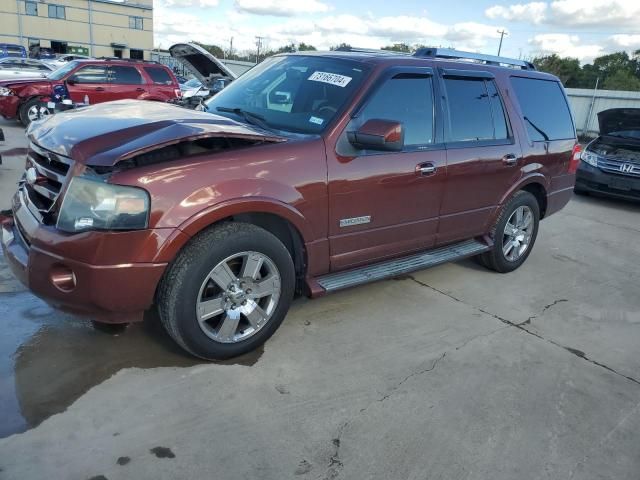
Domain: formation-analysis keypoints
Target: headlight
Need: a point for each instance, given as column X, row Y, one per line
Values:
column 589, row 157
column 95, row 205
column 5, row 92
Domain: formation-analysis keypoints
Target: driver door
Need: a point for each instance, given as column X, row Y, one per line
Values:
column 89, row 80
column 386, row 204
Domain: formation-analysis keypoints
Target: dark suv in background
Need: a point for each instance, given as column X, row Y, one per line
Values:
column 611, row 163
column 94, row 80
column 311, row 173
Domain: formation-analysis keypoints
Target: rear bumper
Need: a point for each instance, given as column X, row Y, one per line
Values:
column 117, row 293
column 9, row 106
column 592, row 179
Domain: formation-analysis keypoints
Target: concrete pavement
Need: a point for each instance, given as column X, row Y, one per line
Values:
column 453, row 372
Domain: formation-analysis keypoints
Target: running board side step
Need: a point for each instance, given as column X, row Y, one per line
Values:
column 399, row 266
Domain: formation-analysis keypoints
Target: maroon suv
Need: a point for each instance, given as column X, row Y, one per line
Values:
column 311, row 173
column 94, row 80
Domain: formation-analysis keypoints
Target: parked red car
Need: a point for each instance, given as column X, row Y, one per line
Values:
column 310, row 173
column 98, row 80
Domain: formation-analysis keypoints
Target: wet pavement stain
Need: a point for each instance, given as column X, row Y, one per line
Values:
column 123, row 460
column 98, row 477
column 162, row 452
column 48, row 359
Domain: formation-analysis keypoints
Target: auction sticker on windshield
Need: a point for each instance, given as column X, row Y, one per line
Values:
column 330, row 78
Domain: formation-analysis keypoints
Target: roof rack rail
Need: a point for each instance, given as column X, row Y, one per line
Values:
column 133, row 60
column 369, row 50
column 451, row 54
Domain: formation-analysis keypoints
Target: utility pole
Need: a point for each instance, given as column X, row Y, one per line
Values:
column 230, row 48
column 258, row 45
column 502, row 34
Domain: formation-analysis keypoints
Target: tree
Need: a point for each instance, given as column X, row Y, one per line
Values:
column 566, row 69
column 214, row 50
column 342, row 46
column 398, row 47
column 621, row 80
column 304, row 47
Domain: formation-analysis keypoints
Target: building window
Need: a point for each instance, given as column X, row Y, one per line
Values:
column 31, row 8
column 56, row 11
column 136, row 54
column 34, row 42
column 136, row 23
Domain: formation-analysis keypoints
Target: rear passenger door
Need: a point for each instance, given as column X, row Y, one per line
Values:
column 483, row 158
column 125, row 82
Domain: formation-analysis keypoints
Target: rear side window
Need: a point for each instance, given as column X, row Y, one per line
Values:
column 475, row 110
column 544, row 108
column 406, row 98
column 159, row 75
column 125, row 75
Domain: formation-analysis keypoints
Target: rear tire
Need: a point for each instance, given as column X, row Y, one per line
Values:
column 227, row 291
column 513, row 234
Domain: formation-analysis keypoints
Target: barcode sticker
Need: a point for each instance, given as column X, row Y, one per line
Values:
column 330, row 78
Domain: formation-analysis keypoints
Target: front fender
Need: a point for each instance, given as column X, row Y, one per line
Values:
column 211, row 215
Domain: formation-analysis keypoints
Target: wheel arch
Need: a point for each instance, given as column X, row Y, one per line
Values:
column 283, row 221
column 536, row 184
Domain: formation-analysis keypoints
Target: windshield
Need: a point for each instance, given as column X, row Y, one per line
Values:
column 194, row 82
column 295, row 93
column 61, row 72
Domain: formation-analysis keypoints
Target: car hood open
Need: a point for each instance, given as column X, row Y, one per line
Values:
column 202, row 64
column 619, row 119
column 106, row 133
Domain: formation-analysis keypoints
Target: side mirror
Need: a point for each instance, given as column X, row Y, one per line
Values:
column 72, row 81
column 378, row 134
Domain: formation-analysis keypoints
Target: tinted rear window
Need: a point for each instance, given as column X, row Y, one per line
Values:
column 125, row 75
column 475, row 110
column 159, row 75
column 544, row 107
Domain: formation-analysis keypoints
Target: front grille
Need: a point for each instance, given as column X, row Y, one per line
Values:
column 43, row 189
column 619, row 166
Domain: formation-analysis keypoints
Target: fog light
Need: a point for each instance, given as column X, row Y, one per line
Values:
column 63, row 278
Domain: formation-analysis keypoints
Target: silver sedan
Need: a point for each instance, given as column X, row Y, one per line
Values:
column 19, row 68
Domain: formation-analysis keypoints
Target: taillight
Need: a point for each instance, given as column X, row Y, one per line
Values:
column 575, row 158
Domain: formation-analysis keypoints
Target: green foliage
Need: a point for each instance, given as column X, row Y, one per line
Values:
column 621, row 80
column 344, row 46
column 616, row 71
column 399, row 47
column 214, row 50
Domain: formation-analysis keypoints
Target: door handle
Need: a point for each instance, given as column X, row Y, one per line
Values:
column 510, row 159
column 426, row 169
column 99, row 89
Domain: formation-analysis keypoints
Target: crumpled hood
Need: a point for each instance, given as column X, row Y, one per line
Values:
column 618, row 119
column 25, row 82
column 106, row 133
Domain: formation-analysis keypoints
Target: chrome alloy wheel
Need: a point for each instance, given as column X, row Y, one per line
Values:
column 517, row 233
column 36, row 112
column 238, row 297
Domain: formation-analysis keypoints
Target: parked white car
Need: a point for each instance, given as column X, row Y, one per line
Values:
column 18, row 68
column 63, row 59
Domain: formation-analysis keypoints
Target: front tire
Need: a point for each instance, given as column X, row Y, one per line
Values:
column 513, row 234
column 32, row 110
column 227, row 291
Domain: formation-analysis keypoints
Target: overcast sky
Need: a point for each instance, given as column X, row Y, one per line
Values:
column 577, row 28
